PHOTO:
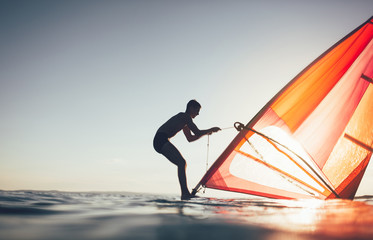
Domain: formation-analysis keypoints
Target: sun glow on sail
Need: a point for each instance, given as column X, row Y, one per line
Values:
column 288, row 168
column 314, row 138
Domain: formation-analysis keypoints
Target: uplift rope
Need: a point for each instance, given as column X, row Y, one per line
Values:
column 208, row 150
column 208, row 146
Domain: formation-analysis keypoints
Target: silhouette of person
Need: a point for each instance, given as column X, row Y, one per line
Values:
column 161, row 143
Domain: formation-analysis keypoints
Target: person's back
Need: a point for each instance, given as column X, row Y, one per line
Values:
column 175, row 124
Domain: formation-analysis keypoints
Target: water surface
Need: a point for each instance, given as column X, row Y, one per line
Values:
column 120, row 215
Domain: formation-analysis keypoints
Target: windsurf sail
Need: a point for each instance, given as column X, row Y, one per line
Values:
column 314, row 138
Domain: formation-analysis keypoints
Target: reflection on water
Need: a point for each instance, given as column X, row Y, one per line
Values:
column 62, row 215
column 334, row 218
column 338, row 218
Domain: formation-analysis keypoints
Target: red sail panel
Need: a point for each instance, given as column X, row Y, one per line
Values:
column 299, row 100
column 223, row 179
column 323, row 127
column 314, row 138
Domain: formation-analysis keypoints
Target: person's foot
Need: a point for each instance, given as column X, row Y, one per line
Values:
column 187, row 196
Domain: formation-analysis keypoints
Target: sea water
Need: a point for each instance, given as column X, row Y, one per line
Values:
column 121, row 215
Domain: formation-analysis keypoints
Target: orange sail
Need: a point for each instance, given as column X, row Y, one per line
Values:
column 314, row 138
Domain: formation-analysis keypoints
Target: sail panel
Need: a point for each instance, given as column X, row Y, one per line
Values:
column 305, row 94
column 354, row 146
column 327, row 110
column 231, row 176
column 321, row 130
column 273, row 171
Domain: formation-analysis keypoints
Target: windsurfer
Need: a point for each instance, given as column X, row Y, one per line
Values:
column 162, row 145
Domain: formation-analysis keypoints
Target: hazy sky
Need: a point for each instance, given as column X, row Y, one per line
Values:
column 84, row 85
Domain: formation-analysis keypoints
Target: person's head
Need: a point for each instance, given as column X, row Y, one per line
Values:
column 193, row 108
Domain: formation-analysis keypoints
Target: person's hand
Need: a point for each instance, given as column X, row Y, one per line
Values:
column 214, row 129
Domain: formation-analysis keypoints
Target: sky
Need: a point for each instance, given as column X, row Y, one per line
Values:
column 84, row 85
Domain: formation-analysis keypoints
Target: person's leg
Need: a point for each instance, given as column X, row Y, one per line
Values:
column 174, row 156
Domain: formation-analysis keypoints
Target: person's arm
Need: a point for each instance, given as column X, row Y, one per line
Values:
column 191, row 127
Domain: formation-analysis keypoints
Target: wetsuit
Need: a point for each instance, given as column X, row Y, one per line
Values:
column 160, row 139
column 170, row 128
